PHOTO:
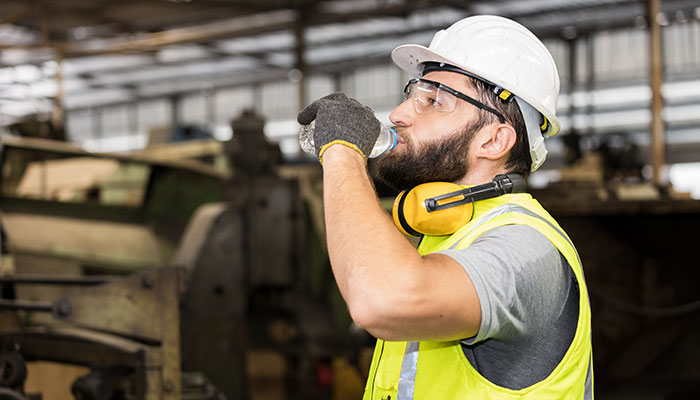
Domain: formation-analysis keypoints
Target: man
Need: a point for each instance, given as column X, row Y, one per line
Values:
column 497, row 309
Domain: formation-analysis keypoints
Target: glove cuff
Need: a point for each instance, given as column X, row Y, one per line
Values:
column 343, row 142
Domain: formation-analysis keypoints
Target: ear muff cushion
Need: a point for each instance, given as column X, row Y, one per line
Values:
column 397, row 212
column 412, row 214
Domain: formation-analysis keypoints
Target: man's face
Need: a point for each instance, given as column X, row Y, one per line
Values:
column 432, row 146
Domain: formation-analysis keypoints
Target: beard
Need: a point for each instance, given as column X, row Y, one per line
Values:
column 438, row 161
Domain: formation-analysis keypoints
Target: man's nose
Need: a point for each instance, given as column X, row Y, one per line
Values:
column 402, row 115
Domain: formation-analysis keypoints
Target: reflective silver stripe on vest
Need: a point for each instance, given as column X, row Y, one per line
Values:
column 409, row 367
column 588, row 394
column 500, row 210
column 523, row 210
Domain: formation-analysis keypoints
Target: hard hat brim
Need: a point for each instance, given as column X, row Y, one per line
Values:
column 409, row 58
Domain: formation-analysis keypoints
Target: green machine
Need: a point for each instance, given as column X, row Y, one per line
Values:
column 168, row 278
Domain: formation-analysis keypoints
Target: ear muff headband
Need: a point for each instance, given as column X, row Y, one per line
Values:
column 428, row 210
column 501, row 184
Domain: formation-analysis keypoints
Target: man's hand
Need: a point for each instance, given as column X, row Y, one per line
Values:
column 341, row 120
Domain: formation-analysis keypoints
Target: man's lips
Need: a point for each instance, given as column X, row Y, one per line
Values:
column 399, row 136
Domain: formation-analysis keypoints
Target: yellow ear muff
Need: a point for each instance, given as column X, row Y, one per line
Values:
column 412, row 217
column 397, row 215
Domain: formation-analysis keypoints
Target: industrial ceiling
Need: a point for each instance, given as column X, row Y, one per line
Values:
column 84, row 54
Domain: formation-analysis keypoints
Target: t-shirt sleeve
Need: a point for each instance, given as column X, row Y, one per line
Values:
column 520, row 278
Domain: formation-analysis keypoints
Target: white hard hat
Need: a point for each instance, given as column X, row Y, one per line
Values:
column 504, row 53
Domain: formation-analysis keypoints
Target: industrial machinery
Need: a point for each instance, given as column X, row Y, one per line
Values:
column 125, row 330
column 246, row 309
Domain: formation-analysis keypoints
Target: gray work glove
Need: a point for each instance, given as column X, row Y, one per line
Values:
column 341, row 120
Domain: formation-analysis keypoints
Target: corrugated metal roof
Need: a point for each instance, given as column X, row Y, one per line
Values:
column 121, row 51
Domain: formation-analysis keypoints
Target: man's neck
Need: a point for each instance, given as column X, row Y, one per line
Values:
column 478, row 176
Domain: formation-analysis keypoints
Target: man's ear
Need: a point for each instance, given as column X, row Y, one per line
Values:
column 495, row 141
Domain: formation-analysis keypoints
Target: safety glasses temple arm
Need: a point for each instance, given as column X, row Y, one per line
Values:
column 464, row 97
column 481, row 105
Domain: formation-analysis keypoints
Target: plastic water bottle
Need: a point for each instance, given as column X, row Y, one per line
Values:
column 386, row 141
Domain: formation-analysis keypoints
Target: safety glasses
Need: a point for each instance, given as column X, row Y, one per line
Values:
column 430, row 96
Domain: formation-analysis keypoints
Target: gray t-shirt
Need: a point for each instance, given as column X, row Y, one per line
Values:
column 529, row 305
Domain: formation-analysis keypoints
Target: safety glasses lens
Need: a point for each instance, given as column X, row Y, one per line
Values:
column 429, row 98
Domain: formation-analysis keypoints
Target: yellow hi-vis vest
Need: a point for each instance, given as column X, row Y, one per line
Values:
column 435, row 370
